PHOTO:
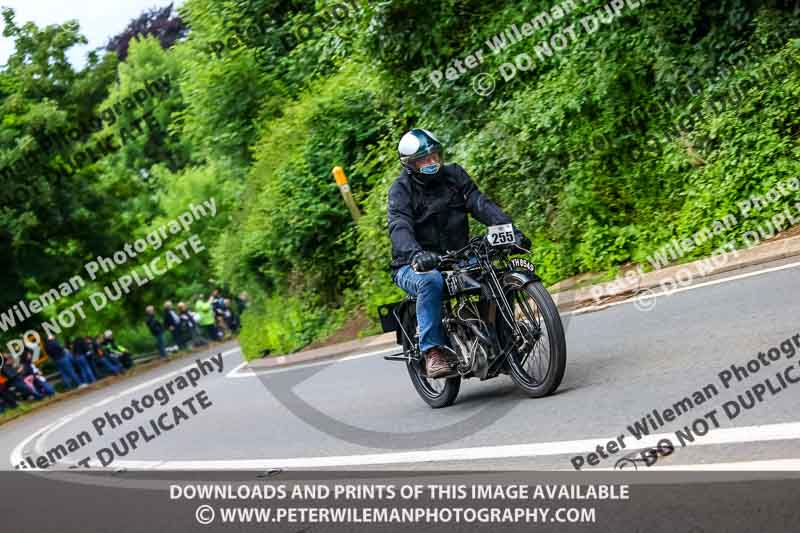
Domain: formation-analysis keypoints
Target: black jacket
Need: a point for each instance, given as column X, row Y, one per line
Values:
column 171, row 321
column 433, row 216
column 79, row 346
column 9, row 370
column 155, row 326
column 54, row 349
column 187, row 322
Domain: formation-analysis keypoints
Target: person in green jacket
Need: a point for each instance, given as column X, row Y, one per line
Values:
column 206, row 318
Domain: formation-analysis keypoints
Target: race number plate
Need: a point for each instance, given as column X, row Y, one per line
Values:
column 501, row 235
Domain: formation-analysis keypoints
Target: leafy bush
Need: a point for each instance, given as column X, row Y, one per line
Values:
column 646, row 130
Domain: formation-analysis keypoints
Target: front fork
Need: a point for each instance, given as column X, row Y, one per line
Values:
column 522, row 341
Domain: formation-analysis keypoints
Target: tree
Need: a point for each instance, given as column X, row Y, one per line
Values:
column 160, row 23
column 50, row 217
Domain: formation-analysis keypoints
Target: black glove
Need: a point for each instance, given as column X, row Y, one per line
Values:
column 425, row 261
column 521, row 240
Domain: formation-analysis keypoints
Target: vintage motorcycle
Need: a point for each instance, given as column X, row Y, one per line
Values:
column 498, row 317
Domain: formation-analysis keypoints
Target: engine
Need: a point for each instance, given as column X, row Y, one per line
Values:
column 470, row 339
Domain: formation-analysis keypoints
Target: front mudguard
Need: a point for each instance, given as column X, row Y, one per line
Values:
column 519, row 278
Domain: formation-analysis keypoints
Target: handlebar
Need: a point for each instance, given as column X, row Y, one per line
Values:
column 479, row 242
column 461, row 253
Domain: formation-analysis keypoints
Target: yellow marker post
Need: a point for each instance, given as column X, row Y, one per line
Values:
column 344, row 188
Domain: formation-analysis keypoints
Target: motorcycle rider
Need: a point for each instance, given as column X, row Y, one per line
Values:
column 427, row 212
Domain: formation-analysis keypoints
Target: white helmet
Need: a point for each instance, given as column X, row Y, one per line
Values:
column 420, row 152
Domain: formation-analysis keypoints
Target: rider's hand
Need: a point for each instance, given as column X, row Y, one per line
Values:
column 425, row 261
column 521, row 240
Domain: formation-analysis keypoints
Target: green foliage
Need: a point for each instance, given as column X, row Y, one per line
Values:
column 136, row 338
column 283, row 323
column 297, row 230
column 374, row 247
column 647, row 130
column 45, row 223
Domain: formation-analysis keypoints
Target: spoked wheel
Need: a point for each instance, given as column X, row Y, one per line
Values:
column 537, row 365
column 440, row 392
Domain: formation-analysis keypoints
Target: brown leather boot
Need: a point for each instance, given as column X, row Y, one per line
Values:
column 436, row 363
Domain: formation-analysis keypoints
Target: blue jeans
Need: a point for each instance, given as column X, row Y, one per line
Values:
column 108, row 364
column 162, row 349
column 428, row 288
column 43, row 387
column 67, row 371
column 22, row 388
column 211, row 332
column 87, row 376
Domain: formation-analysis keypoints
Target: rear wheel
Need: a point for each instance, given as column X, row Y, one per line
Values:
column 439, row 392
column 537, row 365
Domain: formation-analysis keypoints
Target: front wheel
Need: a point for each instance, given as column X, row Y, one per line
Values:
column 538, row 361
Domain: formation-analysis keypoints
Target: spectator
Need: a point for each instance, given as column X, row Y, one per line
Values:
column 63, row 362
column 187, row 327
column 79, row 346
column 156, row 329
column 103, row 360
column 6, row 396
column 217, row 302
column 242, row 301
column 33, row 377
column 32, row 345
column 206, row 318
column 79, row 350
column 172, row 321
column 14, row 379
column 231, row 318
column 91, row 356
column 112, row 348
column 198, row 338
column 195, row 316
column 220, row 310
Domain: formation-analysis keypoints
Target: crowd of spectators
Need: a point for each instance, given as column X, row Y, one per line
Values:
column 209, row 319
column 80, row 362
column 85, row 359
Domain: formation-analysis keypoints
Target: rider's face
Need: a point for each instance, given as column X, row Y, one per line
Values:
column 430, row 159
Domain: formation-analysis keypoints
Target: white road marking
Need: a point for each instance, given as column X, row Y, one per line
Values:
column 238, row 373
column 17, row 456
column 767, row 465
column 651, row 294
column 738, row 435
column 777, row 465
column 721, row 436
column 234, row 372
column 41, row 435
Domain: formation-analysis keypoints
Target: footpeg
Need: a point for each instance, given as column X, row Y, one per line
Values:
column 451, row 355
column 399, row 356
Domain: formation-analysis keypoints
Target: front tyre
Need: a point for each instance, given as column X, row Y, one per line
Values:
column 537, row 365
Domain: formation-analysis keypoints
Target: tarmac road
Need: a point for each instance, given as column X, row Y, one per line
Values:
column 362, row 412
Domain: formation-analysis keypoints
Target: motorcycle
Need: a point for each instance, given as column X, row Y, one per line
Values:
column 498, row 317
